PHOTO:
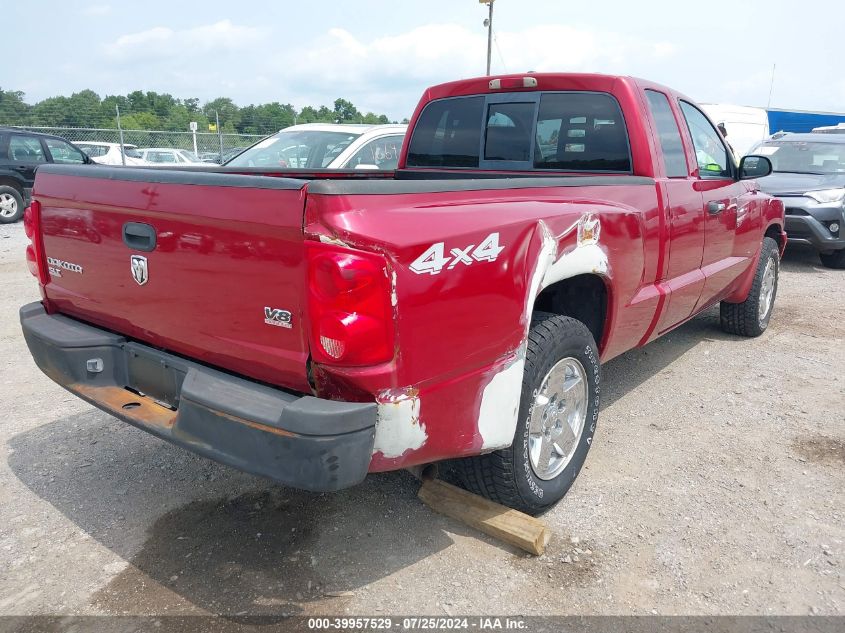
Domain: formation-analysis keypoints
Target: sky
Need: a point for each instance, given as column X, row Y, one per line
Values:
column 382, row 54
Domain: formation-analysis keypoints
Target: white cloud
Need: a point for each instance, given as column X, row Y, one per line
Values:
column 97, row 10
column 164, row 42
column 390, row 72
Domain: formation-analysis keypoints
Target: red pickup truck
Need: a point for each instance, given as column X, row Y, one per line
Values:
column 312, row 327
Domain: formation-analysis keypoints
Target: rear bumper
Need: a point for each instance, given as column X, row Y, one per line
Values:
column 296, row 440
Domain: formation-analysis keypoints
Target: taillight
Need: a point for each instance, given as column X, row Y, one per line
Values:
column 349, row 306
column 35, row 259
column 28, row 226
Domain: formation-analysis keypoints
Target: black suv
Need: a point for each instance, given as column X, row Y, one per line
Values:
column 21, row 153
column 809, row 178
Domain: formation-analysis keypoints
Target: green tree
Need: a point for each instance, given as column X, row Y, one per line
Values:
column 13, row 109
column 345, row 112
column 266, row 118
column 375, row 119
column 139, row 121
column 152, row 110
column 225, row 108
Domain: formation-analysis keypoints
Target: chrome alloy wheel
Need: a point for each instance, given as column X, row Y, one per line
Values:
column 767, row 290
column 8, row 205
column 557, row 419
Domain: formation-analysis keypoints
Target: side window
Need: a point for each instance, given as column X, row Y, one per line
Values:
column 447, row 134
column 581, row 131
column 507, row 135
column 670, row 136
column 710, row 152
column 381, row 153
column 63, row 152
column 25, row 149
column 94, row 151
column 159, row 157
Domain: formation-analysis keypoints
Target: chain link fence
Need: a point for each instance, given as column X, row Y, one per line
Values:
column 208, row 144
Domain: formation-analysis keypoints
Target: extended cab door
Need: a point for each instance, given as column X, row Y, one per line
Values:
column 682, row 203
column 721, row 195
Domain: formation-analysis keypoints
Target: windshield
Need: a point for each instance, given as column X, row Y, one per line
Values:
column 188, row 156
column 304, row 149
column 804, row 157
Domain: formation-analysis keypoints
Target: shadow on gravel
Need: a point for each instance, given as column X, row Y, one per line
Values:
column 800, row 258
column 216, row 540
column 626, row 372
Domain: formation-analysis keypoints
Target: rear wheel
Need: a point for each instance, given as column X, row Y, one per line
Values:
column 751, row 317
column 11, row 204
column 836, row 259
column 558, row 410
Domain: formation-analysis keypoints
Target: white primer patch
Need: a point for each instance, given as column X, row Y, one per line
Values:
column 548, row 252
column 325, row 239
column 398, row 427
column 394, row 299
column 499, row 409
column 586, row 258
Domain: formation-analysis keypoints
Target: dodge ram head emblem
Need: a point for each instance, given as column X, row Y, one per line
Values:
column 139, row 269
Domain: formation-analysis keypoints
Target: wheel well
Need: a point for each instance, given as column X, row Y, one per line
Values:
column 583, row 297
column 776, row 233
column 5, row 181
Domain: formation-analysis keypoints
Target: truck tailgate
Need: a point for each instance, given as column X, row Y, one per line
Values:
column 225, row 270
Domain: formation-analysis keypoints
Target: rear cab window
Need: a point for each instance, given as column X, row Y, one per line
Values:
column 531, row 131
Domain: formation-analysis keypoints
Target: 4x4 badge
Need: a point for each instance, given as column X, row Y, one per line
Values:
column 139, row 269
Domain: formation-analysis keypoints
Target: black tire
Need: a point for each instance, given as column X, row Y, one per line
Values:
column 836, row 259
column 17, row 199
column 744, row 318
column 506, row 476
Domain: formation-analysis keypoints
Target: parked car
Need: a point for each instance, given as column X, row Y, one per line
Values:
column 809, row 178
column 21, row 153
column 169, row 156
column 458, row 308
column 109, row 153
column 229, row 154
column 210, row 157
column 327, row 146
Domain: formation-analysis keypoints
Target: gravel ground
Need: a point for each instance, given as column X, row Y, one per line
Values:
column 715, row 486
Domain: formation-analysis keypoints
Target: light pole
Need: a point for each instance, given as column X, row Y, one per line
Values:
column 489, row 24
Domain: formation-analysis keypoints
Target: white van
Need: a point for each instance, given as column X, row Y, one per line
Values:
column 745, row 126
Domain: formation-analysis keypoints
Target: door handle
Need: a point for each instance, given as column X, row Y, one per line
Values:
column 714, row 207
column 139, row 236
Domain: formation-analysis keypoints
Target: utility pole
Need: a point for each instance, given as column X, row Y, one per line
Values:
column 489, row 24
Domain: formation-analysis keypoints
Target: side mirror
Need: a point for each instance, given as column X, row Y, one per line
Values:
column 754, row 166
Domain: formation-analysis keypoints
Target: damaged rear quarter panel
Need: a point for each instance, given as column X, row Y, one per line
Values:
column 453, row 387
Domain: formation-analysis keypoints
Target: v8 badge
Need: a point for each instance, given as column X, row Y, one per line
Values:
column 277, row 317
